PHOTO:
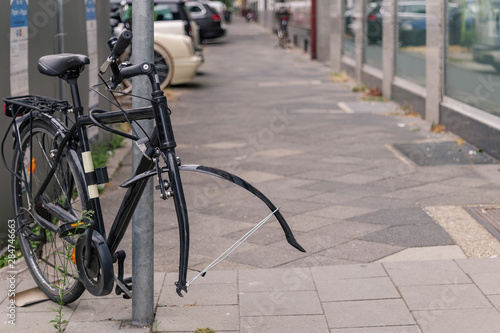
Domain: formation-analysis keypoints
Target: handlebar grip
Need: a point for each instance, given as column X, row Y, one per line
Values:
column 122, row 43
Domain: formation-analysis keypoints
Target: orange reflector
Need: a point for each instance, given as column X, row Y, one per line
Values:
column 32, row 166
column 73, row 256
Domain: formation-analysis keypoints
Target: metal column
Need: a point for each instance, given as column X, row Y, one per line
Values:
column 142, row 221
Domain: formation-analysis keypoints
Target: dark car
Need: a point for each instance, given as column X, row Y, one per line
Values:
column 374, row 23
column 210, row 22
column 412, row 22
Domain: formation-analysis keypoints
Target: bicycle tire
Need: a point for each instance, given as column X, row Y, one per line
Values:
column 42, row 247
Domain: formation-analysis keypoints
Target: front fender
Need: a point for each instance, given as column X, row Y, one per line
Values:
column 247, row 186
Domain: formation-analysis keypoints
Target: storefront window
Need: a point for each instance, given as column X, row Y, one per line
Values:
column 472, row 73
column 373, row 39
column 410, row 55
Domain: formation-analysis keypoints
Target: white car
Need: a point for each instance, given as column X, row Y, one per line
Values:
column 175, row 58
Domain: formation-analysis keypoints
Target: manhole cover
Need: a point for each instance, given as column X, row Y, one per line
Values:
column 488, row 217
column 443, row 153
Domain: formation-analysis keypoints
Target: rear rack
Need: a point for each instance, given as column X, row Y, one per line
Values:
column 19, row 105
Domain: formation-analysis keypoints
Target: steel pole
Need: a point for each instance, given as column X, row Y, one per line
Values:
column 142, row 221
column 60, row 43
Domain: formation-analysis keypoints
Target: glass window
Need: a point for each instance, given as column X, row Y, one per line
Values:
column 472, row 72
column 348, row 38
column 373, row 40
column 171, row 7
column 410, row 55
column 163, row 13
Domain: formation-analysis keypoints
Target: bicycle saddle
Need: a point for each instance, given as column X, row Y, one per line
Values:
column 59, row 64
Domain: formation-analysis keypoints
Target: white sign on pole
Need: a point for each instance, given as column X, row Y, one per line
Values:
column 91, row 19
column 19, row 47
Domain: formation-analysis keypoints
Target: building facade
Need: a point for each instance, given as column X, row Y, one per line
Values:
column 442, row 58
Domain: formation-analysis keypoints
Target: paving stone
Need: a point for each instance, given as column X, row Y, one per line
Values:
column 30, row 321
column 211, row 278
column 429, row 234
column 332, row 235
column 99, row 327
column 190, row 318
column 444, row 297
column 362, row 251
column 355, row 289
column 306, row 222
column 337, row 198
column 226, row 145
column 358, row 271
column 341, row 212
column 315, row 260
column 255, row 177
column 402, row 216
column 445, row 252
column 380, row 203
column 203, row 294
column 384, row 329
column 102, row 309
column 267, row 256
column 279, row 279
column 280, row 303
column 273, row 324
column 458, row 321
column 388, row 312
column 279, row 152
column 432, row 272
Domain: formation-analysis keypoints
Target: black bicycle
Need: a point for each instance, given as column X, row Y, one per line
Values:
column 54, row 181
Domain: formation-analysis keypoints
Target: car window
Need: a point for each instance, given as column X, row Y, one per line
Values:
column 414, row 9
column 163, row 13
column 196, row 10
column 172, row 7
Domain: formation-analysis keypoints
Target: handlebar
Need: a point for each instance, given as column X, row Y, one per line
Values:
column 125, row 71
column 121, row 44
column 118, row 47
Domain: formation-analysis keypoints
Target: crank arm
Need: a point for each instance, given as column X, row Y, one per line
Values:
column 244, row 184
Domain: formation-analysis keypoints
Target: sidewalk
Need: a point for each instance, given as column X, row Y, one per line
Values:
column 390, row 244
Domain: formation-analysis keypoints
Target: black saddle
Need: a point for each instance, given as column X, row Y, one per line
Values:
column 60, row 64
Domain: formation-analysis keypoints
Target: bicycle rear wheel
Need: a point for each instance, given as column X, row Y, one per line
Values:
column 42, row 248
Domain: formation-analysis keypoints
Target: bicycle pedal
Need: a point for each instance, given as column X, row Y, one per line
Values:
column 127, row 283
column 72, row 228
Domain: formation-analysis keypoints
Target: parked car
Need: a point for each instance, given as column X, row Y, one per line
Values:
column 165, row 10
column 486, row 46
column 175, row 57
column 210, row 22
column 374, row 13
column 412, row 22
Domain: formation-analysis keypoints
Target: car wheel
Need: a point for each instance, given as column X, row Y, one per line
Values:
column 164, row 65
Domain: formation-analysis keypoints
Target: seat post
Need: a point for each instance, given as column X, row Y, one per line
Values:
column 75, row 95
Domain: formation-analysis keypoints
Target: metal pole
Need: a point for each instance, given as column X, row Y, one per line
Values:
column 60, row 43
column 142, row 221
